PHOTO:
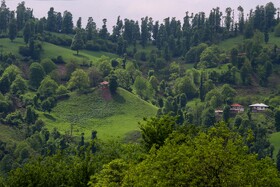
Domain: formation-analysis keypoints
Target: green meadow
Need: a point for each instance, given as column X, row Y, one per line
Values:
column 112, row 119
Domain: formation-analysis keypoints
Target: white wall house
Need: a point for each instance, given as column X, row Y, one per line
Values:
column 258, row 107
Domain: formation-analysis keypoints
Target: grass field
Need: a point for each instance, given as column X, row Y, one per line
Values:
column 10, row 135
column 52, row 51
column 230, row 43
column 7, row 46
column 275, row 141
column 111, row 119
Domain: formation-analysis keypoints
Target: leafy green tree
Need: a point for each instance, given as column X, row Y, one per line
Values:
column 104, row 66
column 156, row 129
column 5, row 104
column 7, row 78
column 227, row 92
column 47, row 87
column 79, row 80
column 61, row 90
column 48, row 65
column 77, row 42
column 19, row 86
column 112, row 174
column 36, row 75
column 30, row 115
column 57, row 170
column 193, row 55
column 185, row 85
column 143, row 88
column 124, row 79
column 210, row 57
column 5, row 84
column 213, row 158
column 154, row 82
column 48, row 104
column 95, row 77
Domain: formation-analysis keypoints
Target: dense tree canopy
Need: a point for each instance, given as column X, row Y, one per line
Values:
column 215, row 158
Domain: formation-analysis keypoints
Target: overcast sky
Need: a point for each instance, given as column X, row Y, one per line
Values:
column 133, row 9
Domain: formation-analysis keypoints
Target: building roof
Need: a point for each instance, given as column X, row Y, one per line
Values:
column 236, row 105
column 219, row 111
column 104, row 83
column 258, row 105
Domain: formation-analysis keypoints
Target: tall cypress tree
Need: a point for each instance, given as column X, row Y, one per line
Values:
column 26, row 32
column 12, row 30
column 51, row 20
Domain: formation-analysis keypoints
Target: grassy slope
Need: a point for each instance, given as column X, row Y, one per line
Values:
column 233, row 42
column 111, row 119
column 9, row 134
column 275, row 141
column 52, row 51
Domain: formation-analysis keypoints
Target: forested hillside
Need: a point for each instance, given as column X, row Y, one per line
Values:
column 153, row 103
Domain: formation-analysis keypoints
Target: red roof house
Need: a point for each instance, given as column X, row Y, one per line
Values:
column 236, row 108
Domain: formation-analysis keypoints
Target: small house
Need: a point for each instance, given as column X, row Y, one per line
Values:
column 104, row 85
column 258, row 107
column 218, row 112
column 236, row 108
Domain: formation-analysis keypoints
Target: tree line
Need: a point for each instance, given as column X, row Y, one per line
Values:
column 172, row 35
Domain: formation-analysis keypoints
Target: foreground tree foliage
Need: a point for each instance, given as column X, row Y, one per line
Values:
column 214, row 158
column 187, row 157
column 155, row 130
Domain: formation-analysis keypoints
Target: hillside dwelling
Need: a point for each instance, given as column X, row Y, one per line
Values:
column 236, row 108
column 258, row 107
column 219, row 112
column 104, row 85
